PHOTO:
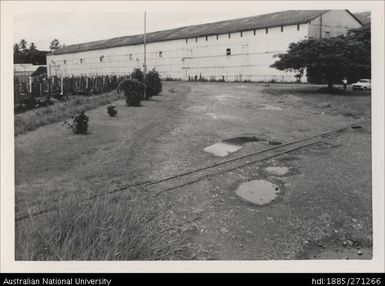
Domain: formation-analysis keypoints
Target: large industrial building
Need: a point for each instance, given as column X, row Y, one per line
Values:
column 233, row 50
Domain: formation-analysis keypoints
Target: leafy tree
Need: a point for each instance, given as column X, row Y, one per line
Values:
column 55, row 44
column 331, row 59
column 24, row 55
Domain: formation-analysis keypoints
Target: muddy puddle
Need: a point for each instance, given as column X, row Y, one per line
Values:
column 222, row 149
column 259, row 192
column 277, row 171
column 231, row 145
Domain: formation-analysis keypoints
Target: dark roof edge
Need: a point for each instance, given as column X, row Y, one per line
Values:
column 351, row 14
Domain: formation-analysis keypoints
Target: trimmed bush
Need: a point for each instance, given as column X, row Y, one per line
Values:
column 79, row 123
column 153, row 81
column 133, row 91
column 111, row 110
column 154, row 84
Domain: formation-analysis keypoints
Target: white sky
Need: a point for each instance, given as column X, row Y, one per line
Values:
column 76, row 24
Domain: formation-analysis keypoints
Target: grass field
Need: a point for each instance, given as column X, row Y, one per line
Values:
column 36, row 118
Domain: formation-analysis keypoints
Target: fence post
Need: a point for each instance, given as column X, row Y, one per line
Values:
column 30, row 84
column 61, row 85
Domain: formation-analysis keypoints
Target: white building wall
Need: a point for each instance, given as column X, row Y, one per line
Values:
column 250, row 58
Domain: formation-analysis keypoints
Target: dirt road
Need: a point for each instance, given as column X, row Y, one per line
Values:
column 322, row 208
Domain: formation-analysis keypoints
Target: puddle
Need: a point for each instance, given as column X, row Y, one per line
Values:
column 242, row 140
column 356, row 127
column 231, row 145
column 222, row 149
column 278, row 171
column 259, row 192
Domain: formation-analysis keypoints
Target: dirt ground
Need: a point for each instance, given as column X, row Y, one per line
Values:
column 323, row 208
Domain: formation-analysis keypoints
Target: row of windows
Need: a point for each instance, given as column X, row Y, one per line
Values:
column 241, row 33
column 101, row 58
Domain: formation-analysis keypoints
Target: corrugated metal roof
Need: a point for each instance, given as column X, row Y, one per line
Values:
column 290, row 17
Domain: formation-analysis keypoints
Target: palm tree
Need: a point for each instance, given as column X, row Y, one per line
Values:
column 23, row 44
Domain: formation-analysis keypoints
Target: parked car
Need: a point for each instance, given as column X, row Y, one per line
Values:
column 364, row 84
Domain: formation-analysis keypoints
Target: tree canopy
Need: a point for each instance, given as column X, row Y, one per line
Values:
column 330, row 59
column 31, row 55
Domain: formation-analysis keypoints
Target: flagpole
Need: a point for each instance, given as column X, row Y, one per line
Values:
column 144, row 57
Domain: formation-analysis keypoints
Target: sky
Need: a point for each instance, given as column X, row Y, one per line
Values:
column 97, row 20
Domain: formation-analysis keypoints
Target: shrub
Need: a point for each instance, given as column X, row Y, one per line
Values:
column 79, row 123
column 133, row 91
column 154, row 84
column 153, row 81
column 111, row 110
column 138, row 75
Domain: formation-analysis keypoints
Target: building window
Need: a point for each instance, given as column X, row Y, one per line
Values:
column 255, row 32
column 267, row 30
column 229, row 35
column 217, row 36
column 130, row 56
column 327, row 34
column 282, row 28
column 101, row 58
column 206, row 38
column 186, row 40
column 81, row 61
column 65, row 61
column 228, row 52
column 160, row 54
column 241, row 34
column 297, row 27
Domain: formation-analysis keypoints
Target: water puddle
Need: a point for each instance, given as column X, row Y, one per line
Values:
column 222, row 149
column 277, row 171
column 259, row 192
column 242, row 140
column 356, row 127
column 231, row 145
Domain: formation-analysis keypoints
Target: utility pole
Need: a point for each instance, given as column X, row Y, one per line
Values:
column 144, row 57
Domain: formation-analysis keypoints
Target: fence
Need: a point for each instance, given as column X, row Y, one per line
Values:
column 38, row 90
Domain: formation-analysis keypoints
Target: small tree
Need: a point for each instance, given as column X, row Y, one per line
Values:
column 133, row 91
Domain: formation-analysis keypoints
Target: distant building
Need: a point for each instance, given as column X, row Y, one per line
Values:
column 232, row 50
column 23, row 71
